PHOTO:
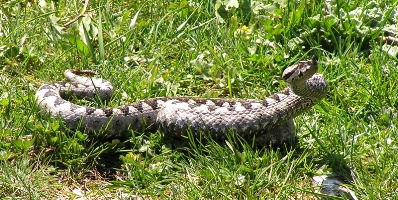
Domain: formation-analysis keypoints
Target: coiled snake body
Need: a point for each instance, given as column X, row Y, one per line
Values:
column 269, row 120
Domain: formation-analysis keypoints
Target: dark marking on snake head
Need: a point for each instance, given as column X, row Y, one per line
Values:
column 90, row 111
column 108, row 111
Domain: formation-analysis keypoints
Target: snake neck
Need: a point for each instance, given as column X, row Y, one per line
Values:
column 314, row 88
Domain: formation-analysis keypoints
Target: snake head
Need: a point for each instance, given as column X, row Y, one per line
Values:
column 304, row 81
column 300, row 72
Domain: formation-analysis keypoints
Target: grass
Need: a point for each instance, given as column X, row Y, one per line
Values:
column 165, row 48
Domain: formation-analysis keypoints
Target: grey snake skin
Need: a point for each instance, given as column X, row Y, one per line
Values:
column 266, row 121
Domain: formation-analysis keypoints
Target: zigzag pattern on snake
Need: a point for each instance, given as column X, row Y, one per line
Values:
column 268, row 120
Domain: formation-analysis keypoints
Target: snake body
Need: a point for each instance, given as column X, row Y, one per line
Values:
column 268, row 120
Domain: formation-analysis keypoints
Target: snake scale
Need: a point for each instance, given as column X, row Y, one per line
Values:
column 269, row 120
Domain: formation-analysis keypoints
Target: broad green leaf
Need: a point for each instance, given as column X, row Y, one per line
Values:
column 83, row 48
column 89, row 45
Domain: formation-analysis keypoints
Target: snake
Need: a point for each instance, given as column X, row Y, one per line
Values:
column 269, row 120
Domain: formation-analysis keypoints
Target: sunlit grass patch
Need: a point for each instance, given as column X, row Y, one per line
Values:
column 218, row 49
